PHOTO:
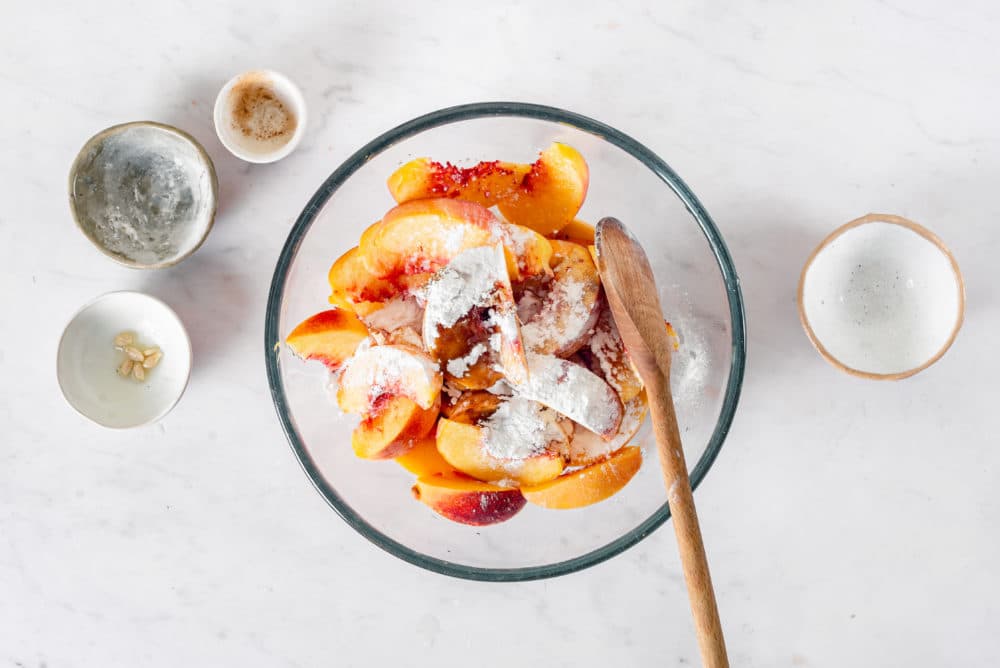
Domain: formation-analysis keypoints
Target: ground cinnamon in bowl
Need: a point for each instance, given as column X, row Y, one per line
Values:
column 259, row 114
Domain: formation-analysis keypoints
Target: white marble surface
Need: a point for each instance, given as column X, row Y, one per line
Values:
column 850, row 523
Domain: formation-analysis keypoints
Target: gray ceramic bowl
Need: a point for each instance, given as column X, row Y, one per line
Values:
column 144, row 193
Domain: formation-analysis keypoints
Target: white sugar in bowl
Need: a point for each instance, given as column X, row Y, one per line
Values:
column 881, row 298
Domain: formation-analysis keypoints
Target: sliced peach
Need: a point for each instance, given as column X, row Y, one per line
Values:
column 551, row 194
column 611, row 360
column 424, row 235
column 353, row 286
column 392, row 428
column 574, row 391
column 472, row 407
column 470, row 320
column 578, row 232
column 570, row 306
column 330, row 337
column 468, row 501
column 464, row 447
column 588, row 485
column 393, row 370
column 423, row 459
column 530, row 251
column 585, row 447
column 544, row 195
column 482, row 183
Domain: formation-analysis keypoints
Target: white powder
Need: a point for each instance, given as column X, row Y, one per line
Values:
column 528, row 306
column 400, row 311
column 573, row 391
column 468, row 281
column 519, row 429
column 606, row 346
column 518, row 238
column 563, row 319
column 385, row 370
column 459, row 366
column 500, row 388
column 587, row 446
column 452, row 392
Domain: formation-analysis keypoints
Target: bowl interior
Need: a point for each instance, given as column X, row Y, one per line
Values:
column 248, row 146
column 375, row 496
column 87, row 361
column 144, row 193
column 882, row 298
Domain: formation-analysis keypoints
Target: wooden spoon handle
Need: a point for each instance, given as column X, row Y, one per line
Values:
column 685, row 520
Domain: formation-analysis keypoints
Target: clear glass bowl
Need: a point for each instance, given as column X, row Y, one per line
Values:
column 699, row 291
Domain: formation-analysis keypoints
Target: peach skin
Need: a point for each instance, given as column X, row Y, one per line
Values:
column 330, row 337
column 468, row 501
column 393, row 428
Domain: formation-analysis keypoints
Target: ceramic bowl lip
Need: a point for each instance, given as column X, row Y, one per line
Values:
column 301, row 117
column 473, row 111
column 913, row 227
column 205, row 160
column 169, row 406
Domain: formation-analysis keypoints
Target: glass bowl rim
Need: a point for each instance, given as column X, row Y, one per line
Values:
column 455, row 114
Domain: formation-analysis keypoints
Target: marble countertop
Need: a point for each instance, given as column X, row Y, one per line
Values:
column 850, row 523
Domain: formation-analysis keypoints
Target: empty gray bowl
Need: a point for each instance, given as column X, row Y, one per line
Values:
column 144, row 193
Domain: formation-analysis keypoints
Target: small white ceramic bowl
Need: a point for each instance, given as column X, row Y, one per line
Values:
column 87, row 362
column 249, row 148
column 881, row 298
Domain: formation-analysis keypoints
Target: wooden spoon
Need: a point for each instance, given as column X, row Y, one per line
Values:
column 631, row 292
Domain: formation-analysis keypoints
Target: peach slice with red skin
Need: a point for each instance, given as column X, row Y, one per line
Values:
column 352, row 286
column 570, row 306
column 422, row 236
column 467, row 501
column 423, row 459
column 551, row 194
column 462, row 446
column 589, row 485
column 398, row 371
column 393, row 427
column 330, row 337
column 483, row 183
column 544, row 196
